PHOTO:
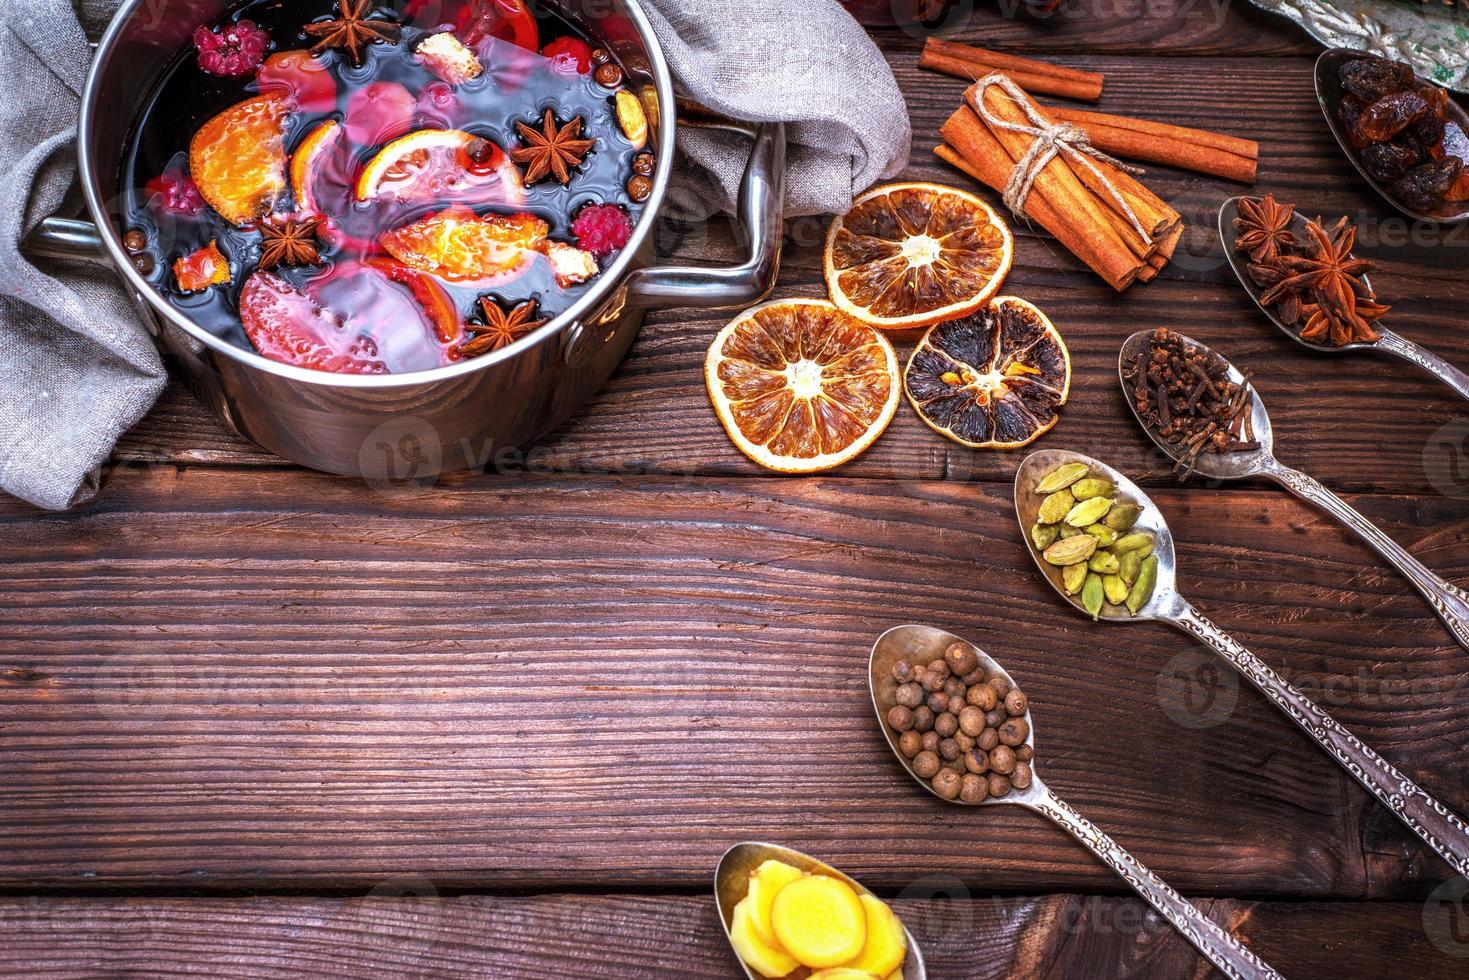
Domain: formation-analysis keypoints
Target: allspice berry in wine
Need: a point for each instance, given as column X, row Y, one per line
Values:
column 926, row 764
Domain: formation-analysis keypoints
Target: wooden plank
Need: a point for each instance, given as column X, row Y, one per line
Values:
column 227, row 680
column 407, row 929
column 1356, row 422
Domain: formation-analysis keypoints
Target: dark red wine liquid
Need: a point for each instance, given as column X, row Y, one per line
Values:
column 517, row 85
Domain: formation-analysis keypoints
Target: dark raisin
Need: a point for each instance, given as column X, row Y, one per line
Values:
column 1429, row 129
column 1424, row 187
column 1390, row 115
column 1369, row 79
column 1349, row 114
column 1388, row 161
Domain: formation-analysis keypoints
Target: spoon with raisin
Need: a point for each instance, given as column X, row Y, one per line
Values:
column 1289, row 316
column 998, row 767
column 1435, row 824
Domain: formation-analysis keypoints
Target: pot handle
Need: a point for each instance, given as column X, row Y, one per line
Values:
column 66, row 238
column 760, row 212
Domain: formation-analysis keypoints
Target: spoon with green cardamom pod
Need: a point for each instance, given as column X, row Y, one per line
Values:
column 1051, row 471
column 1449, row 602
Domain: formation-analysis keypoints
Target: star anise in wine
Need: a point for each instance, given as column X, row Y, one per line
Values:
column 353, row 31
column 288, row 241
column 553, row 149
column 1342, row 306
column 1264, row 228
column 501, row 328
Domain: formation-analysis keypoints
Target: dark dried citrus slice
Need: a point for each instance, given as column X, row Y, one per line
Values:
column 993, row 380
column 801, row 386
column 910, row 255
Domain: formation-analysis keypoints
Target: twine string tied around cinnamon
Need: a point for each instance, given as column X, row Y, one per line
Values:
column 1048, row 140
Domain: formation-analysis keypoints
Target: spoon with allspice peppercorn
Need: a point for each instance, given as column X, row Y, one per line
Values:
column 1049, row 469
column 1199, row 409
column 930, row 686
column 1304, row 277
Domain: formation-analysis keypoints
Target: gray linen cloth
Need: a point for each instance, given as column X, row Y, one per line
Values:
column 77, row 368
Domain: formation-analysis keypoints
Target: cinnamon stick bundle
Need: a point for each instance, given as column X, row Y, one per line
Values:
column 1037, row 77
column 1082, row 206
column 1175, row 146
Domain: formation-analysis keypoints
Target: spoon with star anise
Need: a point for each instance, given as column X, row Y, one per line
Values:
column 1449, row 602
column 1335, row 310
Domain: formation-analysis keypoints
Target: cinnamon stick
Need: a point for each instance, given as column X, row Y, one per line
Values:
column 1037, row 84
column 1176, row 146
column 1087, row 84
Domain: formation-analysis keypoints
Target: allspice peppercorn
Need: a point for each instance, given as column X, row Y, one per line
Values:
column 1001, row 686
column 902, row 671
column 995, row 718
column 966, row 742
column 1016, row 703
column 981, row 696
column 976, row 761
column 971, row 720
column 929, row 741
column 922, row 718
column 946, row 724
column 960, row 658
column 988, row 739
column 910, row 743
column 608, row 75
column 1020, row 778
column 643, row 165
column 973, row 789
column 938, row 702
column 639, row 188
column 939, row 667
column 1002, row 760
column 926, row 764
column 135, row 240
column 900, row 718
column 910, row 695
column 949, row 749
column 998, row 785
column 933, row 680
column 1014, row 732
column 1024, row 753
column 946, row 783
column 954, row 688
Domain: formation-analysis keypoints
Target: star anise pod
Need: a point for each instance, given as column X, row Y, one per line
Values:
column 1341, row 306
column 1264, row 228
column 353, row 30
column 1267, row 276
column 552, row 149
column 288, row 241
column 501, row 328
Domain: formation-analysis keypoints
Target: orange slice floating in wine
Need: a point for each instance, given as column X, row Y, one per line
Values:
column 308, row 162
column 457, row 244
column 238, row 158
column 447, row 165
column 801, row 386
column 911, row 255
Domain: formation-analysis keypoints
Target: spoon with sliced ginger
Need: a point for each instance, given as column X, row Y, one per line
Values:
column 915, row 645
column 1435, row 824
column 785, row 912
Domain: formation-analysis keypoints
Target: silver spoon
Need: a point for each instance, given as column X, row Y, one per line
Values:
column 1329, row 94
column 1448, row 601
column 1388, row 342
column 732, row 883
column 920, row 644
column 1438, row 827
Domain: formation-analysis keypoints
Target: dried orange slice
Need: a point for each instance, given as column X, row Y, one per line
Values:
column 238, row 158
column 458, row 244
column 441, row 165
column 910, row 255
column 993, row 380
column 801, row 386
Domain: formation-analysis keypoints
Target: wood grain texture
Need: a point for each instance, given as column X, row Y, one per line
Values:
column 217, row 682
column 406, row 929
column 1356, row 422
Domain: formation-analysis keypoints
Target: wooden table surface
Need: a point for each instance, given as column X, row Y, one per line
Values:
column 257, row 719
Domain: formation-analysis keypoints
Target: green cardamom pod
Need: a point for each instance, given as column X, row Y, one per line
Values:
column 1115, row 589
column 1043, row 535
column 1104, row 534
column 1067, row 531
column 1055, row 507
column 1071, row 551
column 1088, row 511
column 1104, row 563
column 1142, row 589
column 1089, row 488
column 1073, row 577
column 1061, row 477
column 1136, row 541
column 1122, row 516
column 1092, row 594
column 1128, row 563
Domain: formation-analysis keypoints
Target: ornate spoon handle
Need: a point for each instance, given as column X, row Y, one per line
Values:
column 1227, row 953
column 1449, row 602
column 1426, row 359
column 1438, row 826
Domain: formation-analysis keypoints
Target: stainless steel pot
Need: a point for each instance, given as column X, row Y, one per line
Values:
column 410, row 426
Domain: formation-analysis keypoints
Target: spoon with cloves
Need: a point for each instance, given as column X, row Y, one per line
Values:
column 1449, row 602
column 732, row 884
column 1434, row 823
column 904, row 646
column 1387, row 342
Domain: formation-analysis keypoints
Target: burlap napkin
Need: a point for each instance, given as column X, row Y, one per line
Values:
column 77, row 368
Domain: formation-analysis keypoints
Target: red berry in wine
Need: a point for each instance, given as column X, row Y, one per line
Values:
column 232, row 51
column 602, row 229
